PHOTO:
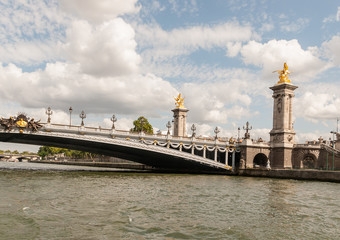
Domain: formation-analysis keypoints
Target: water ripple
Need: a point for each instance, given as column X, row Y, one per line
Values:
column 94, row 205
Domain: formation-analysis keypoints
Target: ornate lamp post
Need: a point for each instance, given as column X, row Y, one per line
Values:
column 193, row 129
column 49, row 112
column 216, row 131
column 82, row 115
column 70, row 110
column 168, row 125
column 247, row 128
column 113, row 119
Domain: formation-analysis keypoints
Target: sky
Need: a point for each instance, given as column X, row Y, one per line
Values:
column 130, row 58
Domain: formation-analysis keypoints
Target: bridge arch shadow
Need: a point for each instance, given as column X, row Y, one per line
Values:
column 309, row 161
column 260, row 160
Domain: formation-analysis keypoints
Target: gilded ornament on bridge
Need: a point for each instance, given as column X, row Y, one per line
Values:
column 283, row 74
column 179, row 101
column 20, row 122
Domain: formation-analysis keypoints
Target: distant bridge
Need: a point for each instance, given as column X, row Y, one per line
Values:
column 159, row 151
column 9, row 157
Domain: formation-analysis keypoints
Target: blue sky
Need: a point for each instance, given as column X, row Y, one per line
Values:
column 131, row 57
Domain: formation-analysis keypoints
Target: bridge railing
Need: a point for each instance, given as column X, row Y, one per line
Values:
column 137, row 135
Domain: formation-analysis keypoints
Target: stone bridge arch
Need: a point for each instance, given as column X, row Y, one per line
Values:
column 306, row 157
column 257, row 152
column 309, row 161
column 260, row 160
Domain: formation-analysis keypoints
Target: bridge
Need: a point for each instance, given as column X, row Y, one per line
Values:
column 166, row 152
column 9, row 157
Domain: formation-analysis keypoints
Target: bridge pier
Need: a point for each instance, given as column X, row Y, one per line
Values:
column 282, row 135
column 180, row 115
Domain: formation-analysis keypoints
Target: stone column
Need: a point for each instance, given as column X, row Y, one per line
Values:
column 180, row 116
column 282, row 135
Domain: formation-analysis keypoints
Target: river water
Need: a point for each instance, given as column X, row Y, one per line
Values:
column 68, row 204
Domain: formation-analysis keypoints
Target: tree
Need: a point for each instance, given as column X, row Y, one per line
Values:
column 142, row 122
column 46, row 151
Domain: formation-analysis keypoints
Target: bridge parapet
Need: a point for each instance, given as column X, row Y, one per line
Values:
column 330, row 149
column 133, row 135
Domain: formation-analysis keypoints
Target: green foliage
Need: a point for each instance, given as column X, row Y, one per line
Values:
column 138, row 125
column 17, row 152
column 50, row 151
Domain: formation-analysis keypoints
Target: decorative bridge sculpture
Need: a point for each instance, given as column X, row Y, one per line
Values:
column 186, row 154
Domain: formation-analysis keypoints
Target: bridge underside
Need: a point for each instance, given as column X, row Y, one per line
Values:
column 160, row 161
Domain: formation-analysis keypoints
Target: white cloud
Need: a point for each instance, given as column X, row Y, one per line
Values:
column 271, row 55
column 266, row 27
column 303, row 137
column 183, row 6
column 163, row 44
column 331, row 49
column 100, row 10
column 258, row 133
column 201, row 129
column 215, row 102
column 37, row 19
column 28, row 52
column 29, row 32
column 316, row 106
column 233, row 48
column 121, row 124
column 294, row 26
column 61, row 85
column 105, row 50
column 333, row 18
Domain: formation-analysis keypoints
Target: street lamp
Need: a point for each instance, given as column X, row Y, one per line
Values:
column 113, row 119
column 82, row 115
column 216, row 131
column 193, row 129
column 168, row 125
column 247, row 128
column 49, row 112
column 70, row 110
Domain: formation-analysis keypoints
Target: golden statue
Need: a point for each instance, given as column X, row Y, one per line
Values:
column 283, row 74
column 179, row 101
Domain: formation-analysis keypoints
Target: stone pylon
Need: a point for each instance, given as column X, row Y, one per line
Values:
column 180, row 116
column 282, row 136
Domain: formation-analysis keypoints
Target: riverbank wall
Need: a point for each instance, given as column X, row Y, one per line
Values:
column 134, row 166
column 298, row 174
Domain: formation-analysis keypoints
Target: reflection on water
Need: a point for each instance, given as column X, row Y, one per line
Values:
column 119, row 205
